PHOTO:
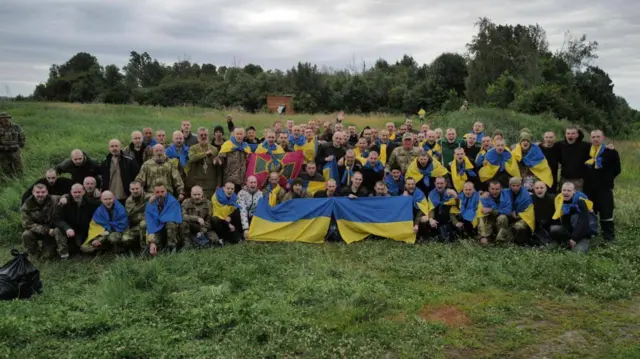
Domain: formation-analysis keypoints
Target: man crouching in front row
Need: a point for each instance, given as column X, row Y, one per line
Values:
column 163, row 215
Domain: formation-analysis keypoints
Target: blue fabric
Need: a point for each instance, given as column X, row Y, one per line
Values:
column 598, row 162
column 300, row 141
column 172, row 212
column 395, row 187
column 461, row 169
column 269, row 148
column 151, row 143
column 253, row 146
column 183, row 156
column 479, row 136
column 469, row 206
column 377, row 168
column 428, row 147
column 426, row 172
column 228, row 201
column 373, row 209
column 534, row 156
column 331, row 168
column 521, row 202
column 418, row 196
column 504, row 205
column 438, row 198
column 497, row 159
column 120, row 220
column 347, row 176
column 291, row 211
column 238, row 146
column 566, row 207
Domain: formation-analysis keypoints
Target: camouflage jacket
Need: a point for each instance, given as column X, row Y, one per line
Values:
column 191, row 211
column 167, row 172
column 402, row 158
column 235, row 167
column 135, row 209
column 38, row 217
column 12, row 139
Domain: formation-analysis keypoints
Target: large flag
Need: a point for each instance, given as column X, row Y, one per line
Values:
column 387, row 217
column 288, row 164
column 330, row 171
column 299, row 220
column 102, row 221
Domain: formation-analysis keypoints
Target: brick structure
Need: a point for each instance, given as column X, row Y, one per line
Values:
column 275, row 102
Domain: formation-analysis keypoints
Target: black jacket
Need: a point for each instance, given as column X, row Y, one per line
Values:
column 603, row 178
column 328, row 149
column 128, row 170
column 72, row 216
column 572, row 157
column 89, row 168
column 61, row 187
column 543, row 208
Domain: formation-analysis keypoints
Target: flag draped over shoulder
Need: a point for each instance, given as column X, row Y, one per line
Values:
column 300, row 220
column 460, row 174
column 221, row 205
column 433, row 169
column 595, row 154
column 522, row 204
column 565, row 208
column 468, row 207
column 171, row 212
column 183, row 157
column 102, row 222
column 495, row 162
column 233, row 145
column 502, row 207
column 313, row 186
column 287, row 164
column 309, row 149
column 395, row 188
column 420, row 201
column 388, row 217
column 330, row 171
column 536, row 162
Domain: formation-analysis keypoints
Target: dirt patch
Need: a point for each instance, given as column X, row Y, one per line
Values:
column 449, row 315
column 398, row 318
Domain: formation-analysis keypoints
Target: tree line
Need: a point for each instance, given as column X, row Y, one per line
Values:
column 505, row 66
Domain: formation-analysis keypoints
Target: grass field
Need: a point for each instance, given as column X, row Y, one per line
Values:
column 377, row 299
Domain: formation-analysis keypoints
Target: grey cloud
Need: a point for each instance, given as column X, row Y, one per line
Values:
column 277, row 34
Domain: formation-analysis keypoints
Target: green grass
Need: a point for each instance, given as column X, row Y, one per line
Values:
column 377, row 299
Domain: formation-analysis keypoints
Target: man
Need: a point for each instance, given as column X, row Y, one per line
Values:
column 277, row 127
column 462, row 170
column 161, row 139
column 521, row 218
column 90, row 189
column 602, row 168
column 178, row 153
column 572, row 209
column 394, row 181
column 148, row 140
column 296, row 140
column 273, row 192
column 379, row 190
column 464, row 215
column 189, row 138
column 118, row 170
column 532, row 164
column 310, row 146
column 450, row 144
column 311, row 173
column 12, row 140
column 80, row 166
column 251, row 138
column 423, row 169
column 391, row 130
column 355, row 189
column 441, row 200
column 366, row 134
column 465, row 106
column 499, row 165
column 409, row 125
column 289, row 128
column 478, row 131
column 329, row 191
column 56, row 186
column 37, row 216
column 432, row 146
column 226, row 215
column 572, row 154
column 135, row 205
column 163, row 216
column 297, row 191
column 234, row 153
column 494, row 208
column 327, row 152
column 107, row 225
column 159, row 168
column 248, row 199
column 196, row 220
column 72, row 222
column 544, row 208
column 353, row 136
column 347, row 166
column 361, row 150
column 203, row 170
column 471, row 148
column 218, row 137
column 137, row 149
column 403, row 156
column 487, row 144
column 283, row 142
column 550, row 149
column 384, row 146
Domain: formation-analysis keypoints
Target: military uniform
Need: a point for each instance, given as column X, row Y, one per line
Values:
column 137, row 226
column 169, row 236
column 12, row 139
column 165, row 171
column 202, row 170
column 191, row 212
column 402, row 158
column 37, row 220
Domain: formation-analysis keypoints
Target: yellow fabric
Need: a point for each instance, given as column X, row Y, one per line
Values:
column 437, row 147
column 458, row 181
column 593, row 154
column 541, row 170
column 308, row 150
column 456, row 210
column 273, row 196
column 94, row 231
column 560, row 200
column 382, row 156
column 357, row 231
column 219, row 210
column 315, row 186
column 424, row 206
column 227, row 146
column 277, row 151
column 437, row 171
column 392, row 136
column 487, row 171
column 359, row 156
column 528, row 216
column 451, row 202
column 304, row 230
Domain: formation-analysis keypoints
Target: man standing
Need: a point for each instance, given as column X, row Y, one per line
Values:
column 12, row 140
column 203, row 171
column 118, row 170
column 37, row 217
column 178, row 153
column 234, row 153
column 137, row 149
column 602, row 168
column 550, row 149
column 160, row 169
column 403, row 156
column 248, row 199
column 450, row 144
column 72, row 222
column 471, row 148
column 189, row 138
column 148, row 139
column 80, row 166
column 330, row 151
column 573, row 152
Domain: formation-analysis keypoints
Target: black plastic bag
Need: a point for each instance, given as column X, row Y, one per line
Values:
column 19, row 278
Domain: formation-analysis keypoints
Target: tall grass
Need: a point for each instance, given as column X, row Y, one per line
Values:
column 366, row 300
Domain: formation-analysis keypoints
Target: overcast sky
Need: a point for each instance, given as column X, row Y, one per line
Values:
column 277, row 34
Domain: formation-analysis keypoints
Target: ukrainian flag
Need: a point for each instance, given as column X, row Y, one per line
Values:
column 302, row 220
column 387, row 217
column 564, row 209
column 313, row 186
column 536, row 162
column 523, row 206
column 309, row 149
column 494, row 162
column 330, row 171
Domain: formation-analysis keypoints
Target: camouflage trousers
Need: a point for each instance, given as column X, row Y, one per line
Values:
column 11, row 163
column 62, row 242
column 135, row 236
column 113, row 239
column 505, row 229
column 169, row 236
column 190, row 230
column 31, row 240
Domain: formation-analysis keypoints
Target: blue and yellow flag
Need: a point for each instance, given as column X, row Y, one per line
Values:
column 434, row 169
column 420, row 201
column 595, row 154
column 563, row 209
column 434, row 150
column 495, row 162
column 302, row 220
column 273, row 149
column 502, row 207
column 171, row 212
column 223, row 206
column 461, row 173
column 436, row 200
column 387, row 217
column 361, row 155
column 313, row 186
column 536, row 162
column 309, row 149
column 102, row 222
column 395, row 188
column 523, row 206
column 330, row 171
column 182, row 157
column 468, row 207
column 233, row 145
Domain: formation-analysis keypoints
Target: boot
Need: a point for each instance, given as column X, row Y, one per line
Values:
column 608, row 231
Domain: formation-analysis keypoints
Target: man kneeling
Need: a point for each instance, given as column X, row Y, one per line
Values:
column 226, row 214
column 162, row 215
column 196, row 215
column 577, row 220
column 109, row 221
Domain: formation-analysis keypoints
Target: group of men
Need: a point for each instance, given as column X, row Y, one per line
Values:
column 193, row 191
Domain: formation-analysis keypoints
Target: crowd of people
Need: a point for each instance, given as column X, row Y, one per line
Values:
column 153, row 195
